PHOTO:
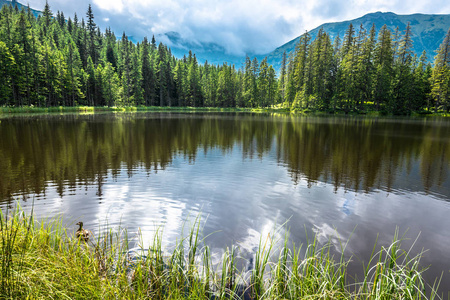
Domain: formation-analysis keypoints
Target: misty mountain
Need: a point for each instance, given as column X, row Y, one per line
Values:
column 428, row 32
column 211, row 52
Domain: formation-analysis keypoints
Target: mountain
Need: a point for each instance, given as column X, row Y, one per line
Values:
column 211, row 52
column 19, row 6
column 428, row 32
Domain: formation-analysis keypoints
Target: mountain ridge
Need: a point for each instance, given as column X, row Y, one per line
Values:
column 204, row 51
column 428, row 32
column 35, row 12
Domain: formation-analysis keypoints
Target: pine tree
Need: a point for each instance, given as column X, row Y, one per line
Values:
column 384, row 60
column 263, row 83
column 403, row 80
column 366, row 69
column 290, row 89
column 47, row 15
column 283, row 71
column 25, row 62
column 147, row 73
column 6, row 70
column 193, row 79
column 421, row 87
column 136, row 76
column 440, row 79
column 73, row 63
column 272, row 87
column 349, row 54
column 254, row 82
column 300, row 64
column 248, row 82
column 161, row 73
column 92, row 27
column 125, row 68
column 91, row 83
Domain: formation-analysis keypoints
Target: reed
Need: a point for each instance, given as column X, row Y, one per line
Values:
column 42, row 259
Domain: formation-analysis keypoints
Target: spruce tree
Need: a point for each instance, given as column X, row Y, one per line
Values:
column 383, row 64
column 440, row 79
column 281, row 85
column 92, row 27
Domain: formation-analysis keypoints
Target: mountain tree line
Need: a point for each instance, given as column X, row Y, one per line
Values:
column 365, row 70
column 52, row 61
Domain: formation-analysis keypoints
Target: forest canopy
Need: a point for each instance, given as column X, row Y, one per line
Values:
column 53, row 61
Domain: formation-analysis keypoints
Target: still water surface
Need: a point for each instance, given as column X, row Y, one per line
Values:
column 348, row 178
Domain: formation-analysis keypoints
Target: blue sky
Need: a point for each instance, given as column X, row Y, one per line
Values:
column 240, row 26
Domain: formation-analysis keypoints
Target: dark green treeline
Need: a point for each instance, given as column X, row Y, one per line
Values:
column 366, row 71
column 49, row 61
column 85, row 150
column 52, row 61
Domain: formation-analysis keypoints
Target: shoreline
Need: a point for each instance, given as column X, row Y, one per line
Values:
column 94, row 109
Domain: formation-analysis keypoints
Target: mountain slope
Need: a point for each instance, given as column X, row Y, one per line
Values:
column 19, row 6
column 211, row 52
column 428, row 32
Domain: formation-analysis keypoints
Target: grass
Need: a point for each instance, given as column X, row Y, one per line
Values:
column 92, row 109
column 43, row 260
column 279, row 108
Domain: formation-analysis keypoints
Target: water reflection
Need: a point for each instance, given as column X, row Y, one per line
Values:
column 352, row 153
column 338, row 177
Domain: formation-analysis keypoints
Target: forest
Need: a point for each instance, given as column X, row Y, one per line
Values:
column 53, row 61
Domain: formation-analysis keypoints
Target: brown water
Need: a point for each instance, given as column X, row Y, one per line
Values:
column 334, row 176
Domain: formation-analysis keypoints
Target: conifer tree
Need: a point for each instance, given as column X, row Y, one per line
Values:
column 248, row 82
column 384, row 59
column 263, row 84
column 281, row 85
column 6, row 70
column 366, row 69
column 440, row 79
column 147, row 73
column 403, row 80
column 47, row 16
column 299, row 67
column 254, row 82
column 92, row 27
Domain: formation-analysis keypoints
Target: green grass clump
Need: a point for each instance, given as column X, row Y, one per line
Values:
column 43, row 260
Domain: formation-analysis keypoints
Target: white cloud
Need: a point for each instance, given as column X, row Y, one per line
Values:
column 110, row 5
column 239, row 26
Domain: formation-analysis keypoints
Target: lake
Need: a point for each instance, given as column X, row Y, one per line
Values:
column 341, row 178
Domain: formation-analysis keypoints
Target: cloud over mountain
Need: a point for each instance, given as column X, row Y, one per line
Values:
column 251, row 26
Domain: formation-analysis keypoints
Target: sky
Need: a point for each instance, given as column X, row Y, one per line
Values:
column 239, row 26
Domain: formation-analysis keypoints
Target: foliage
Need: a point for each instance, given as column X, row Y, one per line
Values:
column 43, row 260
column 48, row 62
column 366, row 73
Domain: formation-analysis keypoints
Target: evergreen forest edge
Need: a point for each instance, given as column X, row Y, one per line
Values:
column 49, row 61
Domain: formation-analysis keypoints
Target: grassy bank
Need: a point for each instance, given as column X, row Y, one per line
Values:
column 43, row 260
column 92, row 109
column 278, row 109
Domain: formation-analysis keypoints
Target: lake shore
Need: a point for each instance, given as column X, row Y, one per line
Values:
column 45, row 260
column 93, row 109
